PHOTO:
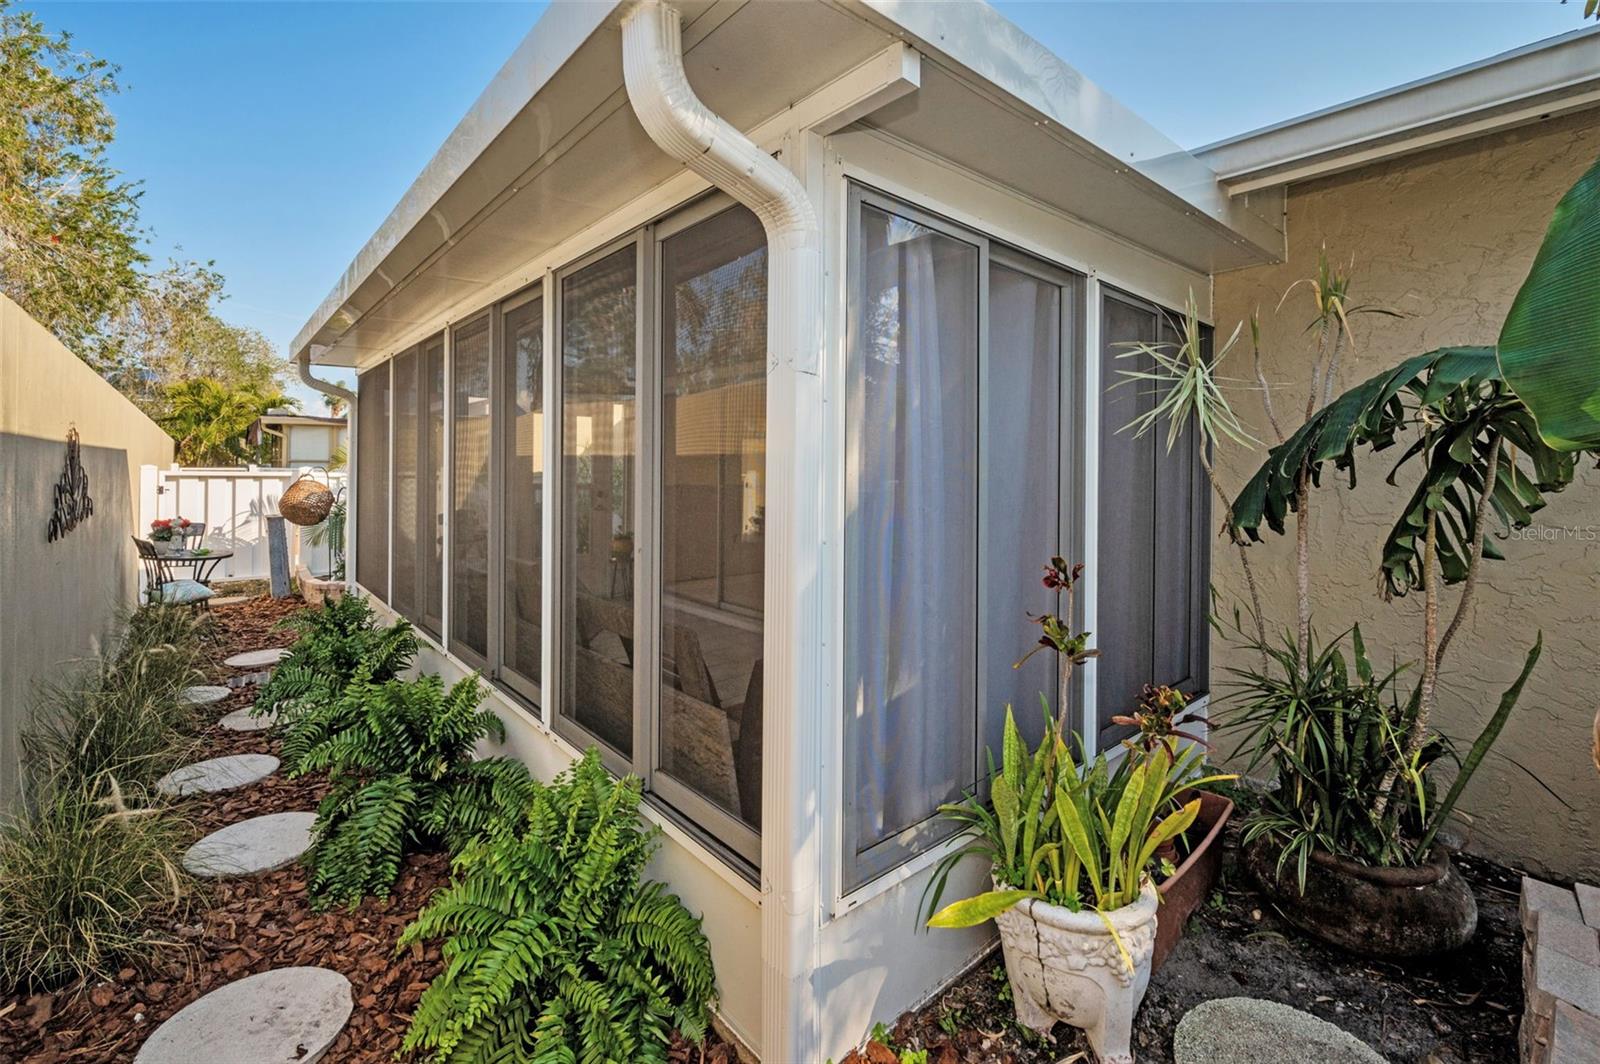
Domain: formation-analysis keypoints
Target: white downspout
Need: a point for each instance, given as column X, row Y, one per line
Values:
column 302, row 368
column 684, row 128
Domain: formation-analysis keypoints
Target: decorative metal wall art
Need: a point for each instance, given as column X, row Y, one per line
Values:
column 72, row 502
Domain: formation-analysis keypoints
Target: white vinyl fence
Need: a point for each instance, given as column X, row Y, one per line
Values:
column 234, row 504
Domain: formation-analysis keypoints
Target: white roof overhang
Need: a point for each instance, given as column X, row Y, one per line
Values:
column 1552, row 77
column 553, row 146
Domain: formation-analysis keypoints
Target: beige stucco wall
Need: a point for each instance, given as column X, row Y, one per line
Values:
column 1446, row 239
column 58, row 601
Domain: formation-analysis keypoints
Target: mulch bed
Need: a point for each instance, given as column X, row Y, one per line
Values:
column 245, row 925
column 1457, row 1008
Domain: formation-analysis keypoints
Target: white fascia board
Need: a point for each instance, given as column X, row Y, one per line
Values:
column 554, row 39
column 970, row 35
column 1541, row 80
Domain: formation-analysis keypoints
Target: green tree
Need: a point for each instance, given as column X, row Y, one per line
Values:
column 169, row 333
column 210, row 418
column 68, row 222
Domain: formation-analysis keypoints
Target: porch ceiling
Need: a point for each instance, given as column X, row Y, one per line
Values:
column 552, row 146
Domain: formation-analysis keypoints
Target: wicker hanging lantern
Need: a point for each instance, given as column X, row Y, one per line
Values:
column 307, row 501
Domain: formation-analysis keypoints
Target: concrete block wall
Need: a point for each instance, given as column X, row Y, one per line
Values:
column 1560, row 974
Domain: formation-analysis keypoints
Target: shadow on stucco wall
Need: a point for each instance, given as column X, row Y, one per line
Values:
column 58, row 601
column 1445, row 238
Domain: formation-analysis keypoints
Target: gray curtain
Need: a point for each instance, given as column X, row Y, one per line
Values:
column 911, row 541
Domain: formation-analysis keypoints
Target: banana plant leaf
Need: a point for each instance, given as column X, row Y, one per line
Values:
column 1454, row 402
column 1538, row 390
column 1550, row 342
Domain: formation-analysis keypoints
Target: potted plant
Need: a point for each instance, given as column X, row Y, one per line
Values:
column 1497, row 428
column 1191, row 862
column 167, row 534
column 1071, row 848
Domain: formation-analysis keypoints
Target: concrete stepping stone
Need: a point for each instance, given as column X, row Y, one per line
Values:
column 217, row 774
column 1241, row 1030
column 285, row 1016
column 259, row 844
column 249, row 679
column 203, row 695
column 241, row 720
column 256, row 659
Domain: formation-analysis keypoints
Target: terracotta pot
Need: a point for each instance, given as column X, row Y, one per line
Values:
column 1191, row 884
column 1377, row 912
column 1066, row 966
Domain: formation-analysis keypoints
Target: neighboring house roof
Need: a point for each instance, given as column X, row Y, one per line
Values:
column 1552, row 77
column 272, row 417
column 553, row 146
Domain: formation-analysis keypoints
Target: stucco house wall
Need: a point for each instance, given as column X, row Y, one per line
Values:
column 1445, row 238
column 59, row 601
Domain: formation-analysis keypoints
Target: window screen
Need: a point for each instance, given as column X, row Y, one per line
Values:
column 430, row 495
column 522, row 423
column 957, row 466
column 713, row 450
column 911, row 528
column 470, row 491
column 407, row 598
column 372, row 481
column 598, row 457
column 1154, row 564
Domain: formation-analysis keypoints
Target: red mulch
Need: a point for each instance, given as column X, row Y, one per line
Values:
column 248, row 925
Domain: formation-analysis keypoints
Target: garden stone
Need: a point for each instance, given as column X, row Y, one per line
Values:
column 1555, row 976
column 203, row 695
column 218, row 774
column 1242, row 1030
column 241, row 720
column 1578, row 941
column 229, row 600
column 1539, row 896
column 1589, row 903
column 259, row 844
column 255, row 659
column 1574, row 1036
column 285, row 1016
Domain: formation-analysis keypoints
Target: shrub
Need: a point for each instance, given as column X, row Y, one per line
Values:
column 176, row 632
column 555, row 948
column 399, row 754
column 120, row 716
column 82, row 883
column 333, row 642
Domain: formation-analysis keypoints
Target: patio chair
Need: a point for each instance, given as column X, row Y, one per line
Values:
column 194, row 536
column 160, row 584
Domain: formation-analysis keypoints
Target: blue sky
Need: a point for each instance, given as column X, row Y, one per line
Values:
column 274, row 137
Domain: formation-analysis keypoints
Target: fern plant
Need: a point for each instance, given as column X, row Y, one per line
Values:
column 332, row 643
column 555, row 948
column 399, row 755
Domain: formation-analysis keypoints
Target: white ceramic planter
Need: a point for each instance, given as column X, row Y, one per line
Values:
column 1066, row 966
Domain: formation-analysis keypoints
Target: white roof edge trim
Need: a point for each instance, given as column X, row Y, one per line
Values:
column 554, row 39
column 971, row 35
column 1549, row 77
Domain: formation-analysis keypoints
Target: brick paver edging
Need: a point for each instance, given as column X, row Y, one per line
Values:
column 1560, row 974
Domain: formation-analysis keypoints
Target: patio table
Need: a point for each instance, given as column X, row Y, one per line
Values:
column 204, row 564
